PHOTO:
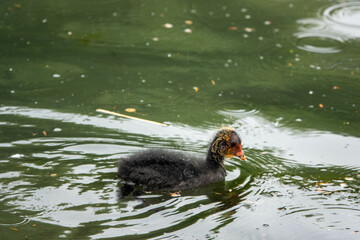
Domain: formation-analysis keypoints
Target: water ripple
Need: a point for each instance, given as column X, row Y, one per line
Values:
column 327, row 33
column 344, row 14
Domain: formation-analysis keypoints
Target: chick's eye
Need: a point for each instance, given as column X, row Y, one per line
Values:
column 233, row 144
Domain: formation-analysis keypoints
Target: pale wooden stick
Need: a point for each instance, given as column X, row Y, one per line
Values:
column 126, row 116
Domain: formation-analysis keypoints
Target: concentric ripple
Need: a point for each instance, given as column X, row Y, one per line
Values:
column 335, row 25
column 344, row 14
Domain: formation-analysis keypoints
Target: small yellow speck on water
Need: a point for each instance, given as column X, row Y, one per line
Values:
column 175, row 194
column 233, row 28
column 15, row 229
column 17, row 5
column 326, row 192
column 291, row 51
column 189, row 22
column 349, row 178
column 249, row 29
column 44, row 133
column 212, row 82
column 290, row 64
column 336, row 87
column 34, row 225
column 196, row 89
column 130, row 110
column 53, row 175
column 46, row 66
column 321, row 105
column 155, row 39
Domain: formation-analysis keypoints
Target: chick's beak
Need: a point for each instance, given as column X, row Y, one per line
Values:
column 240, row 153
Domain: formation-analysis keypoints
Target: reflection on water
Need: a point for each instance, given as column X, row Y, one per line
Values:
column 326, row 34
column 68, row 182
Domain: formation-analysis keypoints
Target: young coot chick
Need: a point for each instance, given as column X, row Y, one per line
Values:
column 163, row 169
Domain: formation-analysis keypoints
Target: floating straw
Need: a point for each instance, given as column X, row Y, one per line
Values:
column 126, row 116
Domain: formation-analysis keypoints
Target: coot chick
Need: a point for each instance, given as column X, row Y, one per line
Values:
column 169, row 170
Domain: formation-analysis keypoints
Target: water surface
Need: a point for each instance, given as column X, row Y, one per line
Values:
column 283, row 74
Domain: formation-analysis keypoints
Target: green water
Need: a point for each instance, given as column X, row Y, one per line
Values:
column 284, row 74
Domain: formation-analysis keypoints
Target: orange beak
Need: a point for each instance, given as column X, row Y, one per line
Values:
column 240, row 152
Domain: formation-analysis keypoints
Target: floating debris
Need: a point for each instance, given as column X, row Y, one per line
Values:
column 168, row 25
column 213, row 82
column 267, row 22
column 56, row 75
column 336, row 87
column 196, row 89
column 175, row 194
column 248, row 29
column 44, row 133
column 187, row 30
column 321, row 105
column 233, row 28
column 189, row 22
column 53, row 175
column 130, row 110
column 130, row 117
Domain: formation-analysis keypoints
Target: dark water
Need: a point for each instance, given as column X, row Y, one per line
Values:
column 284, row 74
